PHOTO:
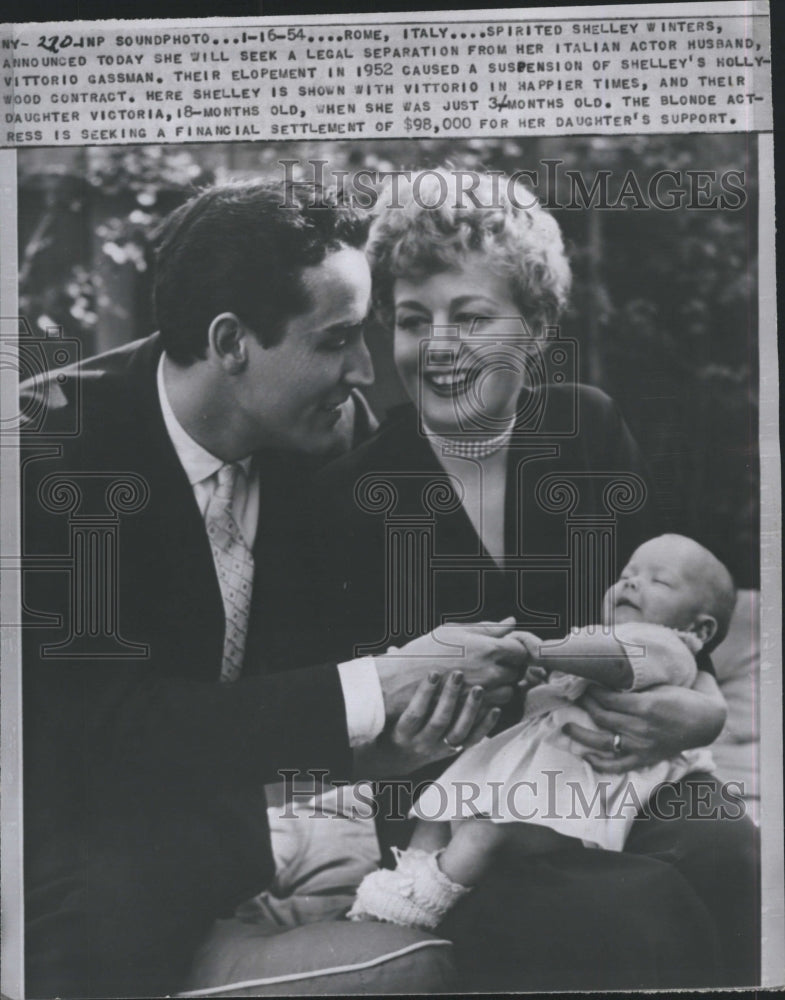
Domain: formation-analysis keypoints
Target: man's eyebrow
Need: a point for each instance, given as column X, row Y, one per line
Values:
column 344, row 327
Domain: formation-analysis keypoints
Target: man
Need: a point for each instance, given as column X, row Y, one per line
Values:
column 151, row 722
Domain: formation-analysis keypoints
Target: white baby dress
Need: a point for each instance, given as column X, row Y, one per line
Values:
column 534, row 773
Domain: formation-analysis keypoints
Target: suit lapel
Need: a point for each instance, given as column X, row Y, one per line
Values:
column 167, row 543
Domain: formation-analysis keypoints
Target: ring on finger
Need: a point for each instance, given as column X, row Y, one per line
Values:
column 616, row 744
column 453, row 746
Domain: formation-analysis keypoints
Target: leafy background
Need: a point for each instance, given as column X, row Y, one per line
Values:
column 664, row 303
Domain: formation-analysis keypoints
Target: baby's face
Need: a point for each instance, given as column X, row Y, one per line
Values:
column 660, row 584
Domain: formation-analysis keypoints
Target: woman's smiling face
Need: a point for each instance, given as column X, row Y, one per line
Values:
column 467, row 383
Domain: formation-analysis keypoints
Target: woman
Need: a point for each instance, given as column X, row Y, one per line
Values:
column 503, row 488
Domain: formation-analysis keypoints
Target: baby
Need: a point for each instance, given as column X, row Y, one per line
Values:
column 530, row 787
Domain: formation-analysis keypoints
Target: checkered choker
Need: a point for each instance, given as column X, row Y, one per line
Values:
column 470, row 447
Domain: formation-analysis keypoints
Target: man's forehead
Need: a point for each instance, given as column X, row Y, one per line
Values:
column 344, row 263
column 339, row 287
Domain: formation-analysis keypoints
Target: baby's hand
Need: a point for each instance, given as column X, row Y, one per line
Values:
column 535, row 670
column 530, row 647
column 535, row 676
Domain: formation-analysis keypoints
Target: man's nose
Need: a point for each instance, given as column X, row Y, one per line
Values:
column 359, row 367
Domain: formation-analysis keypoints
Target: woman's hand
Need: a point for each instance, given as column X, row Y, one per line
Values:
column 441, row 728
column 440, row 720
column 652, row 725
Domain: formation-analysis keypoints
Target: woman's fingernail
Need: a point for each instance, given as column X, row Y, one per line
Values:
column 477, row 692
column 433, row 677
column 457, row 677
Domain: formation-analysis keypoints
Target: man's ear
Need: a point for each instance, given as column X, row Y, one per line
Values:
column 705, row 627
column 226, row 337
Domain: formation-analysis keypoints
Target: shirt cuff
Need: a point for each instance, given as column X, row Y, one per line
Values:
column 363, row 698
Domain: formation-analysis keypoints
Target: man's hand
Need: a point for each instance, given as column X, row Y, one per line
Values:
column 441, row 719
column 653, row 725
column 487, row 654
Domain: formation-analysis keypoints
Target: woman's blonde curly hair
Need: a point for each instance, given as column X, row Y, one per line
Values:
column 427, row 223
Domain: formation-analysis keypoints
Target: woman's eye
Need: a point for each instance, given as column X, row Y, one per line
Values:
column 474, row 321
column 470, row 320
column 412, row 322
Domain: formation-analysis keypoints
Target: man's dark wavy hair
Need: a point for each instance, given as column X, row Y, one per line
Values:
column 241, row 248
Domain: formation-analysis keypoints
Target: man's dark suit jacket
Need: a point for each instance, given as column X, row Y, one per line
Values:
column 145, row 816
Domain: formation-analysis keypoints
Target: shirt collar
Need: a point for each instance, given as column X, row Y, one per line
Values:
column 198, row 463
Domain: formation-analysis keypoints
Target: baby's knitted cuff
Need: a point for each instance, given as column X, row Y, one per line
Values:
column 416, row 894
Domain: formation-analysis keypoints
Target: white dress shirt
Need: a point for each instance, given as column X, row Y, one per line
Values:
column 362, row 691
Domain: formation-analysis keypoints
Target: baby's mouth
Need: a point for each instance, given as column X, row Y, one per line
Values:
column 625, row 602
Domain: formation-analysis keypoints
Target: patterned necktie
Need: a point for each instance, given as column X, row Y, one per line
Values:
column 234, row 566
